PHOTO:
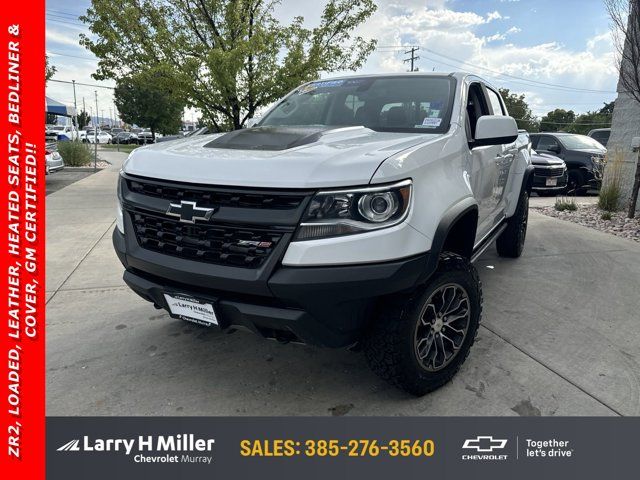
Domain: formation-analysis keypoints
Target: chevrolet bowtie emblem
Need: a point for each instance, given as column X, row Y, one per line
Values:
column 485, row 443
column 189, row 212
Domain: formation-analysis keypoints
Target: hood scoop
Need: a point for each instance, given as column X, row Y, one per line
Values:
column 268, row 138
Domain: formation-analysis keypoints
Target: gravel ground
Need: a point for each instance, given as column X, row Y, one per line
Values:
column 591, row 216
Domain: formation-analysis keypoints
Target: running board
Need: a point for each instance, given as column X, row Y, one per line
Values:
column 487, row 241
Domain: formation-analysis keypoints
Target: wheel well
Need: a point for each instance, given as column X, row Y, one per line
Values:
column 461, row 235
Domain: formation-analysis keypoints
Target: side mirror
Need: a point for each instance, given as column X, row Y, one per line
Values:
column 495, row 130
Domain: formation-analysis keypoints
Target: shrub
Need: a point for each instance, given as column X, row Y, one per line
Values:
column 563, row 203
column 75, row 154
column 609, row 198
column 606, row 216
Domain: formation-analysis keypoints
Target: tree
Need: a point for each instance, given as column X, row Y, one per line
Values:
column 625, row 19
column 150, row 98
column 232, row 57
column 519, row 109
column 83, row 119
column 585, row 122
column 608, row 108
column 49, row 70
column 556, row 120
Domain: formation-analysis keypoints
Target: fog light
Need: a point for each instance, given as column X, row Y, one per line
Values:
column 120, row 219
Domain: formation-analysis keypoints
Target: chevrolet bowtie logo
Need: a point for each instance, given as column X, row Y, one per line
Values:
column 189, row 212
column 484, row 444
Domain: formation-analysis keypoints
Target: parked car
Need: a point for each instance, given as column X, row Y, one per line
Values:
column 550, row 172
column 192, row 133
column 62, row 132
column 583, row 156
column 53, row 159
column 125, row 138
column 115, row 131
column 383, row 188
column 601, row 135
column 91, row 136
column 145, row 136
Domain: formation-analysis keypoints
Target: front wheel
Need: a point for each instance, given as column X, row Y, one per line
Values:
column 510, row 243
column 575, row 182
column 419, row 343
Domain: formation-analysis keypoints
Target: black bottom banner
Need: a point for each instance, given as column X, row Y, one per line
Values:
column 341, row 447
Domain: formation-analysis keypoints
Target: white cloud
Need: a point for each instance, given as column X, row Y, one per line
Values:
column 455, row 34
column 68, row 37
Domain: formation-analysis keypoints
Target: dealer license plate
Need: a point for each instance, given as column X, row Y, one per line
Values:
column 191, row 309
column 552, row 182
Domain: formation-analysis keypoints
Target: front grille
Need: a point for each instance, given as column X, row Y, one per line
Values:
column 549, row 172
column 208, row 197
column 223, row 245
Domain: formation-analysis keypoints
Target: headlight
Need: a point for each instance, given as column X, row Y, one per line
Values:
column 345, row 212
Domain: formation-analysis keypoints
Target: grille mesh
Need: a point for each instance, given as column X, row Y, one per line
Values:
column 549, row 172
column 224, row 245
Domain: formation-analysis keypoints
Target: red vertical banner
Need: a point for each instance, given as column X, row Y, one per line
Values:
column 22, row 190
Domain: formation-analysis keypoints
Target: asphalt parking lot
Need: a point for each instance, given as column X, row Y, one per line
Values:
column 560, row 335
column 63, row 178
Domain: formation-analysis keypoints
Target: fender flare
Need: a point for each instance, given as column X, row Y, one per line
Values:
column 448, row 220
column 527, row 178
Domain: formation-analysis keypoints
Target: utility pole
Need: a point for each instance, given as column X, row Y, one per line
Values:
column 84, row 108
column 413, row 58
column 95, row 137
column 75, row 106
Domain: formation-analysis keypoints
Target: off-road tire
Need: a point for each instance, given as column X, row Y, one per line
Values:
column 575, row 182
column 510, row 243
column 389, row 345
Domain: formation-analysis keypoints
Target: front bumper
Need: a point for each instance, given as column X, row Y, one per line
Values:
column 540, row 182
column 325, row 306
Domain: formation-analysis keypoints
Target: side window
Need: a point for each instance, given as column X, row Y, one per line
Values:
column 476, row 107
column 547, row 143
column 496, row 104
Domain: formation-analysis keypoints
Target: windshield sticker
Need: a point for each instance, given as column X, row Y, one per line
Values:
column 328, row 83
column 431, row 122
column 306, row 89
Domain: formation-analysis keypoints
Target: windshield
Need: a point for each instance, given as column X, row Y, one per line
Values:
column 580, row 142
column 397, row 104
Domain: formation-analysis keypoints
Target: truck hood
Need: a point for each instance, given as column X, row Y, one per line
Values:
column 545, row 159
column 281, row 157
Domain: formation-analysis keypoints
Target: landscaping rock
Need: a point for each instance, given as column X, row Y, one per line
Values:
column 591, row 216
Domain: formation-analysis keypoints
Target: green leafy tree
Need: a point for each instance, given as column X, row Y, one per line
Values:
column 519, row 109
column 607, row 109
column 83, row 119
column 49, row 70
column 151, row 99
column 233, row 57
column 585, row 122
column 557, row 120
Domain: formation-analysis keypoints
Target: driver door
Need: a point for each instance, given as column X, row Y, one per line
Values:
column 483, row 162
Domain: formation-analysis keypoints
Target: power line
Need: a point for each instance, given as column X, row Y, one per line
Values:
column 72, row 56
column 526, row 81
column 83, row 84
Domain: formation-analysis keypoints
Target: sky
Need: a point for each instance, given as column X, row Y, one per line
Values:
column 558, row 53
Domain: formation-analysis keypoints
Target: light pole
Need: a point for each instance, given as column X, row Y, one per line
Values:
column 95, row 136
column 75, row 108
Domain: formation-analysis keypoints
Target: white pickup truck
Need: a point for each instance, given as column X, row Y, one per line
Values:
column 349, row 215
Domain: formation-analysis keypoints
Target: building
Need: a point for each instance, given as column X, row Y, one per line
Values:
column 625, row 125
